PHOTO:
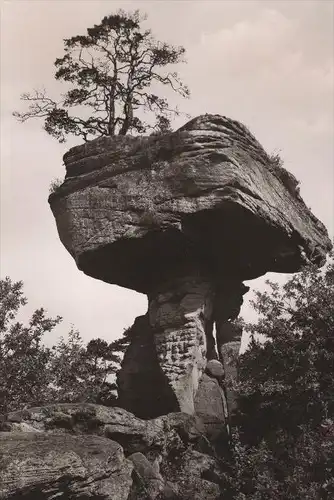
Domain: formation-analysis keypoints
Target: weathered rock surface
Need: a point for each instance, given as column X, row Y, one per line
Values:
column 131, row 432
column 171, row 345
column 148, row 475
column 215, row 369
column 228, row 346
column 142, row 387
column 87, row 451
column 229, row 354
column 178, row 313
column 34, row 465
column 168, row 349
column 134, row 211
column 210, row 406
column 184, row 217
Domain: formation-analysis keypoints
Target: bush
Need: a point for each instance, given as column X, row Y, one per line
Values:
column 32, row 374
column 284, row 429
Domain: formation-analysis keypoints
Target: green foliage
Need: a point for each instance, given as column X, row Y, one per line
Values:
column 284, row 447
column 109, row 73
column 33, row 374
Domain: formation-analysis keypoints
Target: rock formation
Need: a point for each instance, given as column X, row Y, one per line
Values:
column 38, row 465
column 86, row 451
column 185, row 218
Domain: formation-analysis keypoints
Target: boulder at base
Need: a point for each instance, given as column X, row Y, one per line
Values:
column 87, row 451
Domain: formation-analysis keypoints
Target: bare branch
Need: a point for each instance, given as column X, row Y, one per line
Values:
column 40, row 106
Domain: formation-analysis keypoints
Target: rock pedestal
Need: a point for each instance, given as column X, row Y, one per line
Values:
column 142, row 387
column 184, row 217
column 169, row 355
column 179, row 313
column 171, row 345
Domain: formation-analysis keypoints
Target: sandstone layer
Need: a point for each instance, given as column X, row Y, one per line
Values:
column 86, row 451
column 134, row 211
column 171, row 344
column 36, row 466
column 184, row 217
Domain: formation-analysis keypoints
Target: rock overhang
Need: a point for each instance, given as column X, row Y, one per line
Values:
column 134, row 211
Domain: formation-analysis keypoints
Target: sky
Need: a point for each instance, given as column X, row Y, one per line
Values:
column 268, row 64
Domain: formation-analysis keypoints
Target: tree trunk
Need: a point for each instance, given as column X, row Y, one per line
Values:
column 128, row 108
column 111, row 123
column 128, row 115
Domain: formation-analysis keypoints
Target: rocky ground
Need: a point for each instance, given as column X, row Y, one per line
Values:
column 82, row 451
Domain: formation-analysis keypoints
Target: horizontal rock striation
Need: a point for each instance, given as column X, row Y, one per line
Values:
column 40, row 466
column 133, row 211
column 83, row 451
column 184, row 217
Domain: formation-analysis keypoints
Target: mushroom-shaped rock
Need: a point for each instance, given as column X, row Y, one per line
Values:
column 184, row 217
